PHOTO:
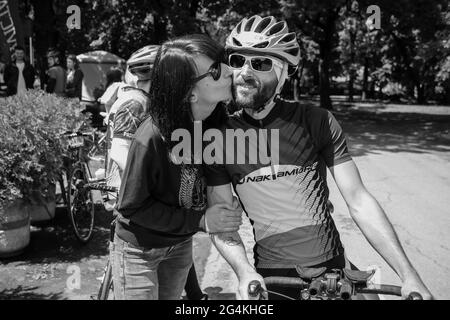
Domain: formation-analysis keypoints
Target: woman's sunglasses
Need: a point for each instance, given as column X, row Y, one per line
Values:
column 215, row 71
column 260, row 64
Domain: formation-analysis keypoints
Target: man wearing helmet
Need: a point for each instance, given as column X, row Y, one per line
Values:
column 286, row 201
column 127, row 113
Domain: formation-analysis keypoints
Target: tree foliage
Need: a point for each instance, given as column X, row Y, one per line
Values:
column 410, row 52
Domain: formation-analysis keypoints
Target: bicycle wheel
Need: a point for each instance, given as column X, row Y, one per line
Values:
column 106, row 288
column 80, row 204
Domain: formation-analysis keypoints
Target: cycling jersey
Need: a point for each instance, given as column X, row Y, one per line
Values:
column 286, row 202
column 125, row 116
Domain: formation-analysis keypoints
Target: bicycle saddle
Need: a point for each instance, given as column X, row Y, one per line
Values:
column 357, row 276
column 310, row 273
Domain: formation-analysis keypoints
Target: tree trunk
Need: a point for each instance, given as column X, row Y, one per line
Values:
column 351, row 81
column 297, row 81
column 371, row 93
column 365, row 79
column 296, row 89
column 43, row 34
column 160, row 18
column 324, row 84
column 351, row 71
column 421, row 99
column 324, row 60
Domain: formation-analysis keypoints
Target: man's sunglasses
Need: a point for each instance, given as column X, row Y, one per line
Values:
column 260, row 64
column 215, row 71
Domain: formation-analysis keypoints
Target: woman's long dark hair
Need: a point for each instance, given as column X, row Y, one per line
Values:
column 172, row 81
column 76, row 63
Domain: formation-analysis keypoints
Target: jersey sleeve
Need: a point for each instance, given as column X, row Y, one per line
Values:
column 127, row 119
column 216, row 175
column 334, row 148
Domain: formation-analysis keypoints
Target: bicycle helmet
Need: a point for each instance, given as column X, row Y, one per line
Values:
column 141, row 62
column 265, row 36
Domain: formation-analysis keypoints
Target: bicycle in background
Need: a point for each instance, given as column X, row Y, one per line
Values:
column 78, row 184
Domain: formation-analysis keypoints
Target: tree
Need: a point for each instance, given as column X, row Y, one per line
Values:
column 317, row 20
column 413, row 51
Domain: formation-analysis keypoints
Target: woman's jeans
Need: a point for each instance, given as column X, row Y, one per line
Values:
column 149, row 274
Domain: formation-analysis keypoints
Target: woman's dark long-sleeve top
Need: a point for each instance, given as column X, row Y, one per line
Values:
column 160, row 203
column 74, row 84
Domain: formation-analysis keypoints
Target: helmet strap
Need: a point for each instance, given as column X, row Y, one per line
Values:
column 282, row 77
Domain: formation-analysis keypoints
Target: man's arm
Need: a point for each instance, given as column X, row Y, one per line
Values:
column 229, row 244
column 119, row 152
column 376, row 227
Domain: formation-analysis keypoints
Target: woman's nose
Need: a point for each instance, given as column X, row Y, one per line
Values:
column 227, row 72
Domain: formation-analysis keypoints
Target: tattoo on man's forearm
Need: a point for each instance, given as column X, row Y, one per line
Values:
column 231, row 239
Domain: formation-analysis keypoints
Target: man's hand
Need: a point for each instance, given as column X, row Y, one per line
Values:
column 415, row 284
column 244, row 281
column 223, row 217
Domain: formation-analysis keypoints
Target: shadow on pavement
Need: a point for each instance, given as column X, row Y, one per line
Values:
column 27, row 293
column 54, row 241
column 371, row 131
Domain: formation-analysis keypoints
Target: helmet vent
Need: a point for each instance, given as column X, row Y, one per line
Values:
column 238, row 27
column 261, row 44
column 293, row 51
column 249, row 24
column 276, row 28
column 236, row 42
column 288, row 38
column 263, row 24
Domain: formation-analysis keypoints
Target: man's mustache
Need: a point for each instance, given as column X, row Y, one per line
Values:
column 246, row 83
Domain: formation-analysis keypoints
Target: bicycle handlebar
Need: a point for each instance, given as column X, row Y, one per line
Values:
column 77, row 134
column 255, row 287
column 285, row 281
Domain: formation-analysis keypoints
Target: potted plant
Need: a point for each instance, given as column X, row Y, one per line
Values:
column 31, row 158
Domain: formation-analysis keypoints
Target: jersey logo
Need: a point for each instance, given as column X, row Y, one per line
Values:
column 238, row 180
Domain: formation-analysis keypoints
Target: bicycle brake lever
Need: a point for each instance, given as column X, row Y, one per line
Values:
column 414, row 296
column 254, row 288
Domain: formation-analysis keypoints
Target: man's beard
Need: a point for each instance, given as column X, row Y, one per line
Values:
column 257, row 98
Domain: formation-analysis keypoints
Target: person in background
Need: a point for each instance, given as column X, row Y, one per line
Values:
column 115, row 75
column 74, row 79
column 56, row 75
column 114, row 86
column 19, row 74
column 2, row 80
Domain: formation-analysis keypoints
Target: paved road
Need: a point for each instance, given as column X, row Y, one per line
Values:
column 404, row 160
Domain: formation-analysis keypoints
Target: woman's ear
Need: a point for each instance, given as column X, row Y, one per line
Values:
column 193, row 98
